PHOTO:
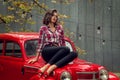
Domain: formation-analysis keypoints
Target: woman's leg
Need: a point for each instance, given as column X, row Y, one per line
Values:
column 59, row 55
column 65, row 60
column 52, row 54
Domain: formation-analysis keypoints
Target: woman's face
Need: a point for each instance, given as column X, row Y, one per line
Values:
column 54, row 17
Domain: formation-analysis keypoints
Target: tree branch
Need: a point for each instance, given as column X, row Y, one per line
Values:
column 2, row 20
column 39, row 5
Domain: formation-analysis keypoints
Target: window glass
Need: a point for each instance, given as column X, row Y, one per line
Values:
column 13, row 49
column 69, row 45
column 31, row 46
column 1, row 46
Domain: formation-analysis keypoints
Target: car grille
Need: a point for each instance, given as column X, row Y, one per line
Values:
column 87, row 75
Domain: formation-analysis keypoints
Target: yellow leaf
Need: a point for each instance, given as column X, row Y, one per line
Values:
column 10, row 8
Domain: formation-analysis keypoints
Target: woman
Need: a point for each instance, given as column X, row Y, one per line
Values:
column 52, row 45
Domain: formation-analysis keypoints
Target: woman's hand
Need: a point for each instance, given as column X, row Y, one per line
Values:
column 31, row 61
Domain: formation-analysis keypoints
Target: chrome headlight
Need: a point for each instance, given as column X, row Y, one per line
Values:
column 65, row 76
column 103, row 74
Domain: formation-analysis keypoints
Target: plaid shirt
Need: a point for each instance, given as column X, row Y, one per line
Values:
column 48, row 37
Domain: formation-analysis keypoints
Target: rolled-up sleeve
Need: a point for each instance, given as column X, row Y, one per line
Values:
column 41, row 40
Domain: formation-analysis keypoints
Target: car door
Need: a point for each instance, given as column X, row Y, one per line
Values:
column 2, row 74
column 12, row 61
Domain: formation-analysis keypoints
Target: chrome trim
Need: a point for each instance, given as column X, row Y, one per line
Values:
column 88, row 73
column 87, row 79
column 31, row 67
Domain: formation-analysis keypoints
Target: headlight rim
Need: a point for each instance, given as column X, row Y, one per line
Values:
column 68, row 75
column 103, row 73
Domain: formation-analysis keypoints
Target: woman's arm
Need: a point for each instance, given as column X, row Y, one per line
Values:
column 31, row 61
column 40, row 46
column 41, row 40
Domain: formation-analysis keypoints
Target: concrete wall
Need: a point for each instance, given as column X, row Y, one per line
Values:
column 85, row 19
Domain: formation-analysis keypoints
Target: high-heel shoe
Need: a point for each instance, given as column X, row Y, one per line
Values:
column 40, row 72
column 45, row 74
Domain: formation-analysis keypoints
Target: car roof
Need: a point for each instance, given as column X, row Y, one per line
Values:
column 22, row 35
column 19, row 35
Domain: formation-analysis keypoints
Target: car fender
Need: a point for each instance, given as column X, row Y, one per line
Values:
column 113, row 76
column 37, row 77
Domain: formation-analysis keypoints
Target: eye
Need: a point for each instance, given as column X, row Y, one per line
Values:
column 56, row 16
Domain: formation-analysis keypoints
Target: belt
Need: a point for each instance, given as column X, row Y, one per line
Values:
column 52, row 44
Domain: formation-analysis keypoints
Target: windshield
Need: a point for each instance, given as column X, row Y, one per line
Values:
column 31, row 46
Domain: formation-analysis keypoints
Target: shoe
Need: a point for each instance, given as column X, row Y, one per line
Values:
column 40, row 72
column 45, row 74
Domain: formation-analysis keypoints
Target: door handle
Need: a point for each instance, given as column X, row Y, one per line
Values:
column 22, row 70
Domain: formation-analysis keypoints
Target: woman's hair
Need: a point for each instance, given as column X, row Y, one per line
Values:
column 48, row 16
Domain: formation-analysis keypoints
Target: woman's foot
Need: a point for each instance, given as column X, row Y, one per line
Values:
column 49, row 70
column 42, row 69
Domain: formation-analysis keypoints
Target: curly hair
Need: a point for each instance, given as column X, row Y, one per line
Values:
column 48, row 16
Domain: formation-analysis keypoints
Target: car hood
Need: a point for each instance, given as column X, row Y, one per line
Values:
column 75, row 68
column 79, row 65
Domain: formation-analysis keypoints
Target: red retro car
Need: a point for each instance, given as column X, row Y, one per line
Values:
column 17, row 48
